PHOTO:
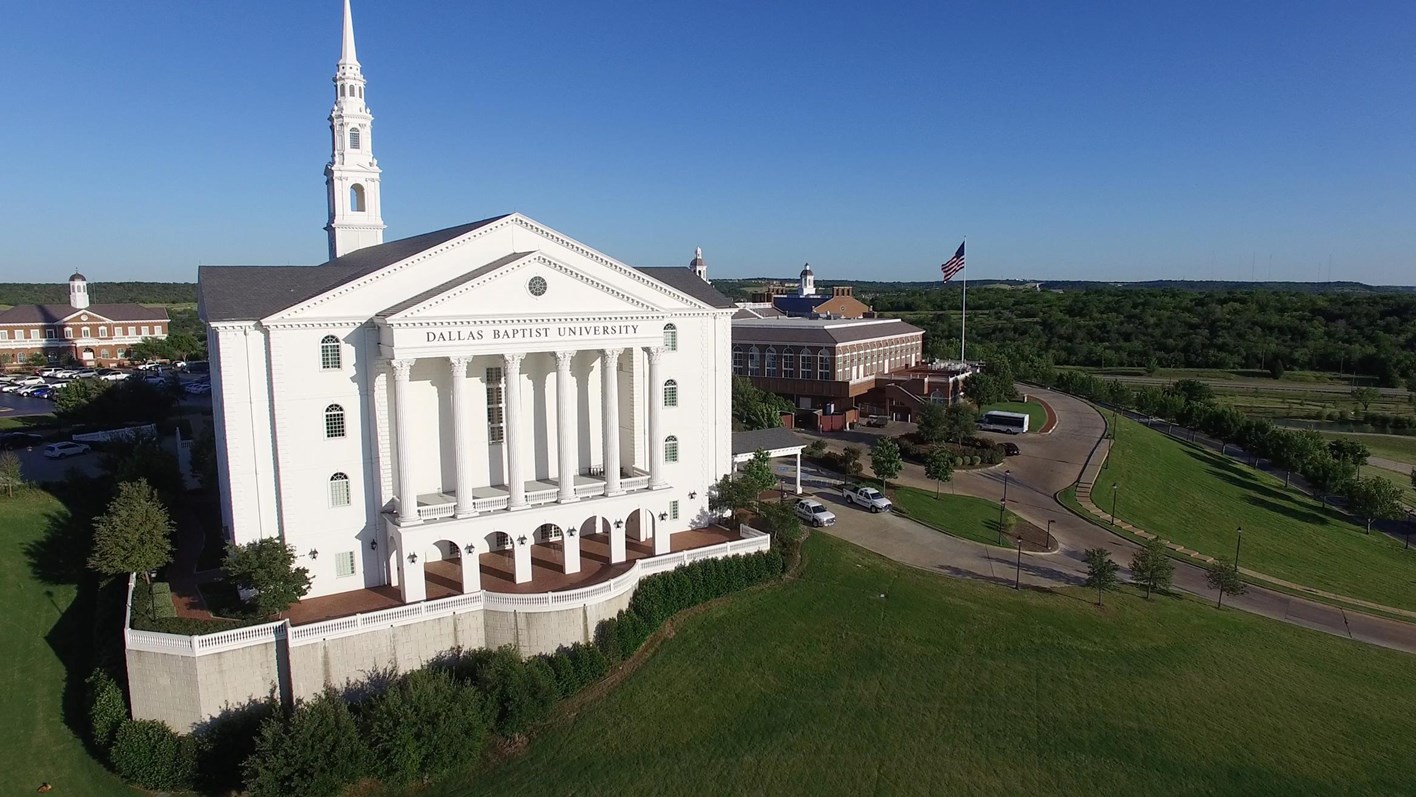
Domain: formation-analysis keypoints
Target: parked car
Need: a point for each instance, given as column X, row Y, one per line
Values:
column 29, row 390
column 45, row 392
column 198, row 388
column 112, row 375
column 87, row 373
column 1011, row 449
column 66, row 373
column 49, row 372
column 814, row 512
column 877, row 421
column 66, row 449
column 149, row 366
column 25, row 381
column 868, row 497
column 197, row 367
column 11, row 440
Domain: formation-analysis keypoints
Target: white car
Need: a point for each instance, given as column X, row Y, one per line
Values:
column 28, row 390
column 868, row 497
column 66, row 373
column 62, row 450
column 87, row 373
column 49, row 372
column 814, row 512
column 110, row 375
column 29, row 380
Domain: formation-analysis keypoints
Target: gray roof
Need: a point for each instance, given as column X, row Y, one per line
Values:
column 248, row 293
column 53, row 313
column 765, row 439
column 802, row 331
column 682, row 279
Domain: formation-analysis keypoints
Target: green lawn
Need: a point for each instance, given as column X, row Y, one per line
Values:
column 961, row 515
column 25, row 422
column 1390, row 446
column 1194, row 497
column 42, row 626
column 1037, row 416
column 866, row 677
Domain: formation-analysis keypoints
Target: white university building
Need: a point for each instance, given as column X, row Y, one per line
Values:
column 494, row 392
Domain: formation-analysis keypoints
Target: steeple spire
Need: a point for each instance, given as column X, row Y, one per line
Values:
column 352, row 176
column 346, row 55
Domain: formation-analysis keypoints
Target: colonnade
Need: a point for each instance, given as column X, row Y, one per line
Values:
column 516, row 431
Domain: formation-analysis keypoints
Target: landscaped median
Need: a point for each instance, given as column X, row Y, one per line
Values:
column 967, row 517
column 1196, row 500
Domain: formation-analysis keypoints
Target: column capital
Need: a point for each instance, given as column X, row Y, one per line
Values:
column 655, row 353
column 612, row 354
column 458, row 362
column 513, row 362
column 563, row 359
column 401, row 368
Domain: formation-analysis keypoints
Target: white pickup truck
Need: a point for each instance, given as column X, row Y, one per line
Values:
column 868, row 497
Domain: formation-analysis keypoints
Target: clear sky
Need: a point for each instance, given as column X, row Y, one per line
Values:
column 1130, row 140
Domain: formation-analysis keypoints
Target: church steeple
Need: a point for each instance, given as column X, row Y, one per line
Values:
column 352, row 175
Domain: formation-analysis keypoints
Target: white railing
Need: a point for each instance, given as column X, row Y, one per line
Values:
column 594, row 488
column 537, row 497
column 182, row 645
column 490, row 504
column 635, row 483
column 436, row 511
column 398, row 615
column 749, row 532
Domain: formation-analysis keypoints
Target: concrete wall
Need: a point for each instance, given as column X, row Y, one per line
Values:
column 185, row 691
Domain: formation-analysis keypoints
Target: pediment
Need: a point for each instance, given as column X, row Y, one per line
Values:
column 530, row 284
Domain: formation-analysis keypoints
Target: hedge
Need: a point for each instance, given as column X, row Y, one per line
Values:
column 107, row 708
column 314, row 750
column 153, row 756
column 422, row 726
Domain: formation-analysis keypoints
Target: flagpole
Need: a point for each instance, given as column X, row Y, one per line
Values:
column 964, row 308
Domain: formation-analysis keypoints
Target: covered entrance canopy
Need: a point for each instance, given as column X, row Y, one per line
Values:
column 778, row 442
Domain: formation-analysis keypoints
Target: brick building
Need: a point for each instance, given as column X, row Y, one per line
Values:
column 90, row 334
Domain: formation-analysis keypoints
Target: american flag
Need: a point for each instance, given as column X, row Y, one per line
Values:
column 954, row 265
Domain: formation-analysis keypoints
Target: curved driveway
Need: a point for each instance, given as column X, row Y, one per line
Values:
column 1048, row 464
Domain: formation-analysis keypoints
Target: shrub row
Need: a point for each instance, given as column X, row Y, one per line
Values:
column 659, row 596
column 966, row 454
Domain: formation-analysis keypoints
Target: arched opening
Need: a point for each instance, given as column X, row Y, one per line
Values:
column 442, row 570
column 88, row 355
column 548, row 549
column 496, row 560
column 356, row 198
column 639, row 531
column 329, row 353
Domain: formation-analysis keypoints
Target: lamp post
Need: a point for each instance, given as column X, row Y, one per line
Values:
column 1113, row 503
column 1048, row 541
column 1410, row 521
column 1006, row 475
column 1002, row 507
column 1238, row 539
column 1018, row 573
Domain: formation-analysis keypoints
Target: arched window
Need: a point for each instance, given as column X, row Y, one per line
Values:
column 671, row 449
column 329, row 353
column 353, row 138
column 501, row 540
column 671, row 337
column 671, row 393
column 339, row 490
column 341, row 89
column 754, row 366
column 356, row 198
column 771, row 360
column 739, row 361
column 334, row 421
column 548, row 532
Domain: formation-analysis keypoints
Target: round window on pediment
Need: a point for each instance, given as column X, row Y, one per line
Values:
column 537, row 286
column 83, row 317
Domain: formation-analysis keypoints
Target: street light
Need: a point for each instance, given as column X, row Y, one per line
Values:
column 1113, row 503
column 1238, row 539
column 1002, row 506
column 1018, row 573
column 1006, row 474
column 1049, row 534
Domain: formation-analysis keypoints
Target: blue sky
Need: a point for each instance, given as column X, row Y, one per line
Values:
column 1116, row 141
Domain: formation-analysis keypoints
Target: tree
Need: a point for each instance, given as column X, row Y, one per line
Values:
column 316, row 750
column 1365, row 396
column 10, row 473
column 939, row 467
column 203, row 458
column 1276, row 368
column 37, row 360
column 729, row 496
column 959, row 420
column 850, row 461
column 72, row 402
column 133, row 535
column 268, row 566
column 885, row 460
column 1350, row 451
column 1152, row 568
column 931, row 423
column 142, row 456
column 1374, row 498
column 756, row 409
column 757, row 476
column 1224, row 576
column 1101, row 571
column 992, row 385
column 1193, row 390
column 1328, row 476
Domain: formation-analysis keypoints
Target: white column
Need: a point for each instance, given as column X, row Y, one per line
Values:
column 617, row 541
column 471, row 570
column 462, row 436
column 565, row 432
column 656, row 408
column 609, row 373
column 515, row 478
column 402, row 435
column 411, row 583
column 522, row 553
column 570, row 541
column 798, row 473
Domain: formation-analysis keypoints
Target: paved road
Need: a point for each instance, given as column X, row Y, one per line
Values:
column 1048, row 464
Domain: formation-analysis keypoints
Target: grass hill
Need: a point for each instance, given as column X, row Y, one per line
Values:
column 866, row 677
